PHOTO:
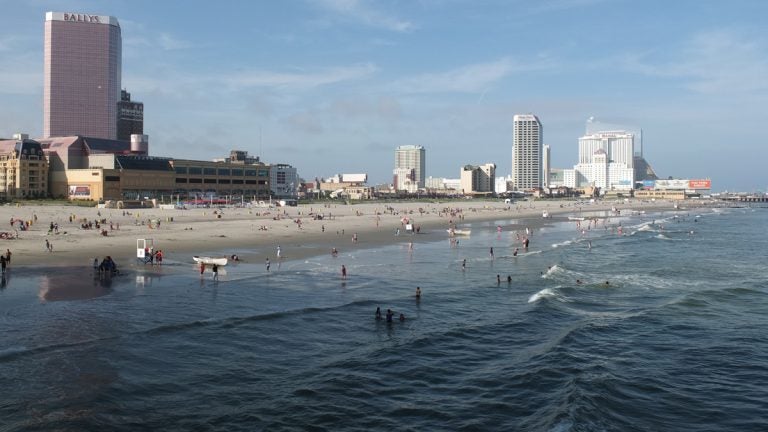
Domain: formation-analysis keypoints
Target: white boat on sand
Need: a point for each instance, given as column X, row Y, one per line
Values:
column 222, row 261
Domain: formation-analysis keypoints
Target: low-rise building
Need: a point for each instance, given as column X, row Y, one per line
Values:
column 23, row 168
column 100, row 169
column 478, row 179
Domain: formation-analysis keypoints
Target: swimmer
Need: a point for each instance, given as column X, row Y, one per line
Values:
column 389, row 315
column 509, row 279
column 515, row 252
column 578, row 282
column 418, row 292
column 402, row 317
column 378, row 313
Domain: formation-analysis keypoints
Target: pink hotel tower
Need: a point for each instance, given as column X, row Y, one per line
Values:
column 81, row 75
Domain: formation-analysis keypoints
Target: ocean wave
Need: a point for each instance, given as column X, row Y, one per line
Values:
column 546, row 293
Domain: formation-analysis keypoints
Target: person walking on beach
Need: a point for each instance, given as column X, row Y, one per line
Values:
column 343, row 272
column 491, row 253
column 267, row 264
column 279, row 251
column 464, row 264
column 8, row 256
column 202, row 269
column 498, row 279
column 215, row 270
column 47, row 245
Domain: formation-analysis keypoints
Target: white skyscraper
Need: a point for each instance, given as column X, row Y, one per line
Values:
column 605, row 161
column 546, row 162
column 619, row 146
column 411, row 157
column 527, row 152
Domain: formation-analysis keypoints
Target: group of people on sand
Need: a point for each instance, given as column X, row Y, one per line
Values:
column 106, row 267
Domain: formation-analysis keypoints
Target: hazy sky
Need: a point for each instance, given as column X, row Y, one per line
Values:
column 333, row 86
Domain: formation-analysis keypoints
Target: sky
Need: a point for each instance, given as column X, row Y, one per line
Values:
column 334, row 86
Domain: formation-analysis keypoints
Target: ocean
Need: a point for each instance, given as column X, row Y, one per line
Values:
column 677, row 340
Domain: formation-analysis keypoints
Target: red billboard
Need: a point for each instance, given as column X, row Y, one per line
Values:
column 699, row 184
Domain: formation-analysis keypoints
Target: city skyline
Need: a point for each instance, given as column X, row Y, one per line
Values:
column 335, row 86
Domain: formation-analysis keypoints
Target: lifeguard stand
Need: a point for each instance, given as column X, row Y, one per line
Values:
column 141, row 247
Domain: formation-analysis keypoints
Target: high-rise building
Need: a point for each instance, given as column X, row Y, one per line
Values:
column 606, row 161
column 411, row 157
column 526, row 152
column 130, row 117
column 546, row 165
column 82, row 67
column 619, row 147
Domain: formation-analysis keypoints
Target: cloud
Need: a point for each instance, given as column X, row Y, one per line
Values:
column 172, row 81
column 300, row 80
column 169, row 42
column 305, row 122
column 136, row 35
column 384, row 107
column 466, row 79
column 363, row 12
column 712, row 62
column 544, row 6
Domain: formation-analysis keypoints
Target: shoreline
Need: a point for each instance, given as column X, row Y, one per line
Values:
column 183, row 233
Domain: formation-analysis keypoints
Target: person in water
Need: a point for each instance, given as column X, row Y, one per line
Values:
column 509, row 279
column 378, row 313
column 418, row 293
column 402, row 317
column 389, row 315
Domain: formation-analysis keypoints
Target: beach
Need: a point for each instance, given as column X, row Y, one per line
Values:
column 591, row 327
column 254, row 233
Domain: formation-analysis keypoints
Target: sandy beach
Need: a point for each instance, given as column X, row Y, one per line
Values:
column 254, row 233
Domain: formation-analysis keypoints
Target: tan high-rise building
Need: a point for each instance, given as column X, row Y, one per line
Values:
column 81, row 75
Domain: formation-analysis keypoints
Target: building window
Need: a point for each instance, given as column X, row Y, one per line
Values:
column 209, row 181
column 180, row 180
column 237, row 172
column 224, row 172
column 195, row 180
column 196, row 170
column 209, row 171
column 181, row 170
